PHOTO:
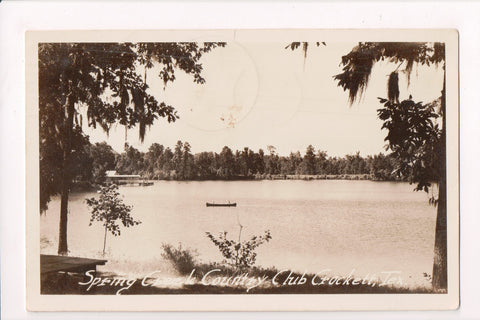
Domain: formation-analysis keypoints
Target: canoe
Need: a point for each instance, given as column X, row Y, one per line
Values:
column 221, row 204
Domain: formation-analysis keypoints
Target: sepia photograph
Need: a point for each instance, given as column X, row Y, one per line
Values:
column 242, row 164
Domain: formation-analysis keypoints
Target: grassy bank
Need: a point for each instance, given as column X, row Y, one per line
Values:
column 218, row 279
column 189, row 276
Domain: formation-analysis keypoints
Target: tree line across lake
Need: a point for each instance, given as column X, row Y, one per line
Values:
column 163, row 163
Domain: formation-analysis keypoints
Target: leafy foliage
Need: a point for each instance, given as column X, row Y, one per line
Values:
column 358, row 63
column 393, row 91
column 236, row 253
column 309, row 160
column 110, row 209
column 160, row 162
column 183, row 259
column 103, row 159
column 51, row 166
column 227, row 161
column 107, row 83
column 413, row 136
column 417, row 142
column 304, row 45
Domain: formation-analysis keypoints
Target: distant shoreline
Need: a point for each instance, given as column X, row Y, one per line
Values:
column 86, row 186
column 320, row 177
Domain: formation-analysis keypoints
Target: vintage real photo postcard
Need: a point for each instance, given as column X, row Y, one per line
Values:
column 242, row 170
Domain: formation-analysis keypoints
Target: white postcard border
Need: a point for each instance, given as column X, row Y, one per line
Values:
column 256, row 302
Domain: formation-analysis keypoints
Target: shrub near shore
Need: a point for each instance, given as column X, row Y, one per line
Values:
column 213, row 278
column 220, row 278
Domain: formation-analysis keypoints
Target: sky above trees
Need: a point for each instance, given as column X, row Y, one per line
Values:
column 260, row 94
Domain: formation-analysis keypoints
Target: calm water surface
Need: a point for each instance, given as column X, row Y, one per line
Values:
column 315, row 225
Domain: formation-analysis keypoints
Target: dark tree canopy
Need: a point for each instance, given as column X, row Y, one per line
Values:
column 75, row 79
column 304, row 45
column 359, row 62
column 83, row 72
column 51, row 166
column 415, row 138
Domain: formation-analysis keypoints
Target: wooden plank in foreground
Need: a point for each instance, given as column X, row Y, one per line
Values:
column 53, row 263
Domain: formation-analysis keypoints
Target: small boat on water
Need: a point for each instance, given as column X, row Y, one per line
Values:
column 209, row 204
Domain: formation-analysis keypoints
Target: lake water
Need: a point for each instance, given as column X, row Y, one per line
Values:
column 315, row 225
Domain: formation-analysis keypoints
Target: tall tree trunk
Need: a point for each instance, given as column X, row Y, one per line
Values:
column 66, row 179
column 439, row 273
column 62, row 236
